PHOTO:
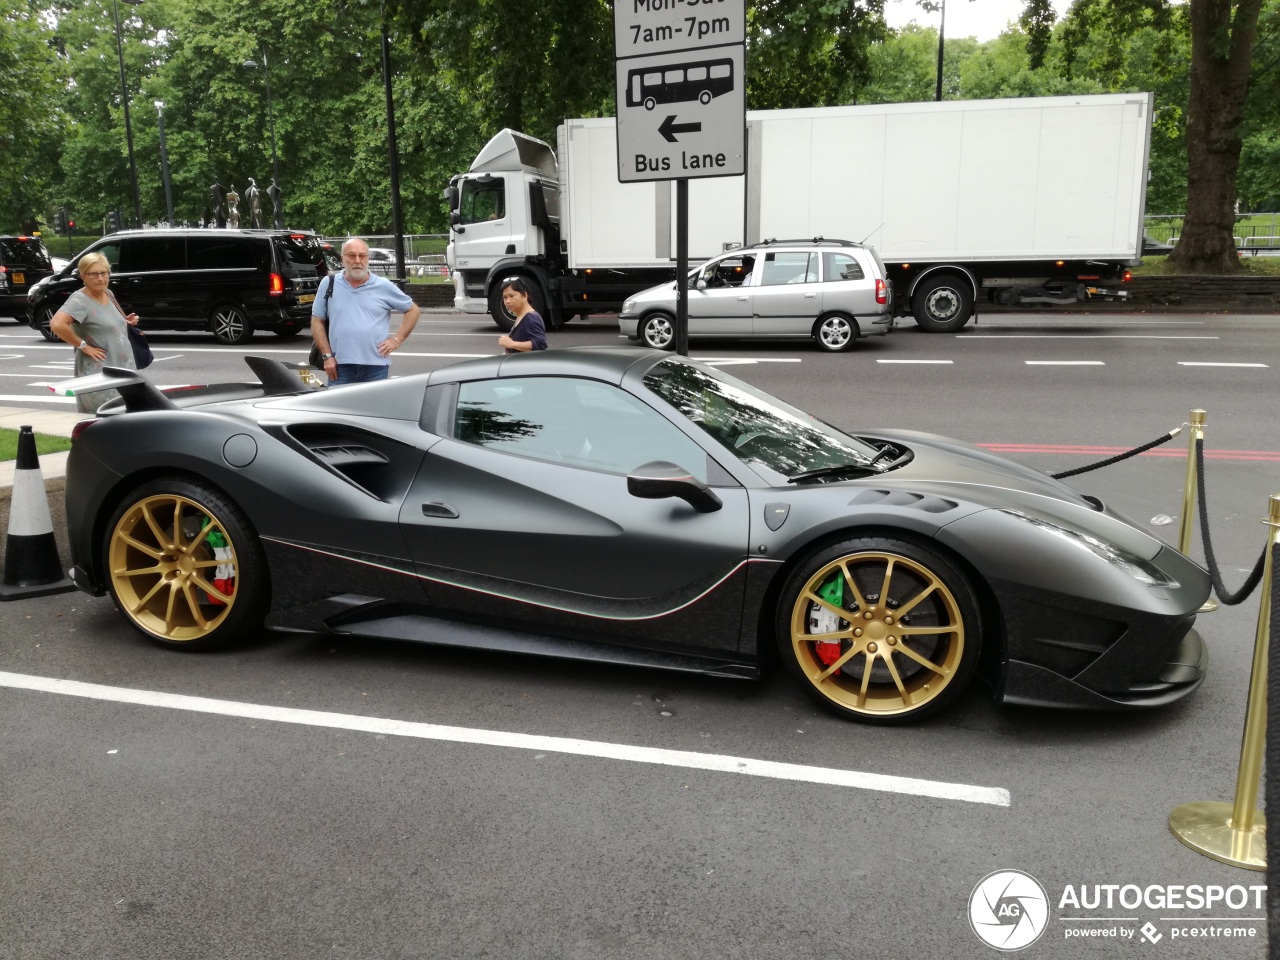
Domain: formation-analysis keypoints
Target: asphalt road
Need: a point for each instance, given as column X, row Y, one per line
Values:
column 139, row 825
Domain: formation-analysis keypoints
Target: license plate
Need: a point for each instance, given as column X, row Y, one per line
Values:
column 19, row 278
column 307, row 298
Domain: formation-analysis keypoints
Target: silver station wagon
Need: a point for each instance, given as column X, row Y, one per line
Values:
column 831, row 290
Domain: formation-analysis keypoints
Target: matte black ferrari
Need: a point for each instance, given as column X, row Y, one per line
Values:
column 624, row 506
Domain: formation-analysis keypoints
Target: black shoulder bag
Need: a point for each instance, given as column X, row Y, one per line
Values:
column 313, row 358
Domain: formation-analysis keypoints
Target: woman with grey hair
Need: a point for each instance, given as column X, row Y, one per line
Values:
column 91, row 321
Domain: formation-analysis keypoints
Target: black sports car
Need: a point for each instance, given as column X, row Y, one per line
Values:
column 625, row 506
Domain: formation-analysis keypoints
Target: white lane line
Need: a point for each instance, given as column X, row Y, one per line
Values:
column 35, row 398
column 915, row 361
column 520, row 741
column 1206, row 363
column 1064, row 363
column 299, row 351
column 1082, row 336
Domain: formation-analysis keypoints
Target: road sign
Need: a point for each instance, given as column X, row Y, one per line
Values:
column 681, row 88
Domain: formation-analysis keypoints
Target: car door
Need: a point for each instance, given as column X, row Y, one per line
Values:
column 720, row 299
column 848, row 284
column 149, row 278
column 788, row 296
column 524, row 515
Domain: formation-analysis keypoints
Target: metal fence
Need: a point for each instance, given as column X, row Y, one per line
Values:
column 1254, row 232
column 423, row 253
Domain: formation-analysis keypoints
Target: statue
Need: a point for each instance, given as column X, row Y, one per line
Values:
column 233, row 212
column 217, row 198
column 277, row 209
column 253, row 197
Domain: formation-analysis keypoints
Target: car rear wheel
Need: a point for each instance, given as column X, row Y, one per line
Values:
column 835, row 333
column 658, row 330
column 184, row 565
column 44, row 321
column 942, row 304
column 879, row 630
column 230, row 325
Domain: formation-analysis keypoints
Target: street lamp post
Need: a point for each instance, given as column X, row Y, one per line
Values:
column 271, row 117
column 393, row 154
column 128, row 126
column 942, row 23
column 164, row 165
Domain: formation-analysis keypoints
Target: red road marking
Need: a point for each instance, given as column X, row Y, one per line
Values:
column 1259, row 456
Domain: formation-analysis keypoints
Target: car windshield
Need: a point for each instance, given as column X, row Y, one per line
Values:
column 753, row 426
column 24, row 252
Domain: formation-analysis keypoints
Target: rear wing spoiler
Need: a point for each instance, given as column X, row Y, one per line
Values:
column 275, row 379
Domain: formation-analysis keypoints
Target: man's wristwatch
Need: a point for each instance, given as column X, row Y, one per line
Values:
column 328, row 356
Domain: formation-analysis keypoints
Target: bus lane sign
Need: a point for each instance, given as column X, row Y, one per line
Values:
column 680, row 88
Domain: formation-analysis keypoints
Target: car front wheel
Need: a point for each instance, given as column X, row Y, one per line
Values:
column 835, row 333
column 879, row 630
column 184, row 565
column 230, row 325
column 658, row 330
column 44, row 321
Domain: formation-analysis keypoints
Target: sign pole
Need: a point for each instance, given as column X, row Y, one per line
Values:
column 682, row 267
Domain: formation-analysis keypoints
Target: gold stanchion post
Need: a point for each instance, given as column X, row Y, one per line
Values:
column 1190, row 487
column 1237, row 833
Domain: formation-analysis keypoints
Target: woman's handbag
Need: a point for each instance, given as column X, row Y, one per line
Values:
column 141, row 349
column 313, row 358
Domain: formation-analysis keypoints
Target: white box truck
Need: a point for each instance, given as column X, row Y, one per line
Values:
column 1025, row 201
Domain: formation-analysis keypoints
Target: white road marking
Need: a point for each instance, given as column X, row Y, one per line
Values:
column 915, row 361
column 1082, row 336
column 521, row 741
column 1064, row 363
column 35, row 398
column 1206, row 363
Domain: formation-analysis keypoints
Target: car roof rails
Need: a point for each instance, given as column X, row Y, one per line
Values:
column 774, row 241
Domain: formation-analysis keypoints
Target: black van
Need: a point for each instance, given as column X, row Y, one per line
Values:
column 230, row 282
column 23, row 262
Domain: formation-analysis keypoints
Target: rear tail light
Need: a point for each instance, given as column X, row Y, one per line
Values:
column 1128, row 275
column 81, row 427
column 882, row 292
column 277, row 285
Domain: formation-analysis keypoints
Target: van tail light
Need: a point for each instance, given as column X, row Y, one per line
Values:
column 277, row 285
column 882, row 292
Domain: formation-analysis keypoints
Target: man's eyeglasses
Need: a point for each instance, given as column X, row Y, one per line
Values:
column 355, row 256
column 98, row 273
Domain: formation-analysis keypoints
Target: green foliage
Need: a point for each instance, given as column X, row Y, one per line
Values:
column 31, row 77
column 45, row 443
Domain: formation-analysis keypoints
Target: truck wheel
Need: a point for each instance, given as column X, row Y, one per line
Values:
column 658, row 330
column 835, row 333
column 503, row 317
column 942, row 304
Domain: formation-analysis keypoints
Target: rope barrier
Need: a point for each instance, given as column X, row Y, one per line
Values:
column 1123, row 456
column 1226, row 596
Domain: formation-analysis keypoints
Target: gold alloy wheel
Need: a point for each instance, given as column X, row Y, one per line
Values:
column 164, row 562
column 877, row 633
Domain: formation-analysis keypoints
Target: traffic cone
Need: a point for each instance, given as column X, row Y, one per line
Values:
column 31, row 567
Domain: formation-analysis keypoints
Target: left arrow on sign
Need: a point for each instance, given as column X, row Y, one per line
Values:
column 669, row 128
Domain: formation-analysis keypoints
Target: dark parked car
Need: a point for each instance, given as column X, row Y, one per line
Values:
column 625, row 506
column 230, row 282
column 24, row 261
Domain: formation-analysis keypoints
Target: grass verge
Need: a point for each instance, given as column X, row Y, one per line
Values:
column 45, row 443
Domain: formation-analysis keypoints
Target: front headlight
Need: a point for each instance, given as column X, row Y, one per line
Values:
column 629, row 307
column 1141, row 570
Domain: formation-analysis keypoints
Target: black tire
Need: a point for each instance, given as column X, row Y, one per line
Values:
column 504, row 318
column 161, row 566
column 942, row 304
column 835, row 333
column 44, row 319
column 284, row 333
column 230, row 325
column 658, row 330
column 865, row 635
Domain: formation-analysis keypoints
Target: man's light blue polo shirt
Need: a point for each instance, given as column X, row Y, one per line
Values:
column 361, row 316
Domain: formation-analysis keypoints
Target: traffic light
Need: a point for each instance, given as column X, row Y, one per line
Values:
column 113, row 221
column 71, row 225
column 59, row 220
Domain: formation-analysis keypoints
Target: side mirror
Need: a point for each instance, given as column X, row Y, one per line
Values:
column 702, row 283
column 660, row 479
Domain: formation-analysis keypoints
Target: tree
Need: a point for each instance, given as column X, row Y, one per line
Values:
column 1223, row 33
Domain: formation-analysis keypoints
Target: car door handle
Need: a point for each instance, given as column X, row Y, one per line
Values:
column 810, row 296
column 441, row 510
column 743, row 299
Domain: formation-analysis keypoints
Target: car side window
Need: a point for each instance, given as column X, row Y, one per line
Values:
column 789, row 267
column 219, row 253
column 152, row 254
column 569, row 420
column 841, row 266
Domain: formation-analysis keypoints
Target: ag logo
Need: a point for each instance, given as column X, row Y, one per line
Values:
column 1008, row 910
